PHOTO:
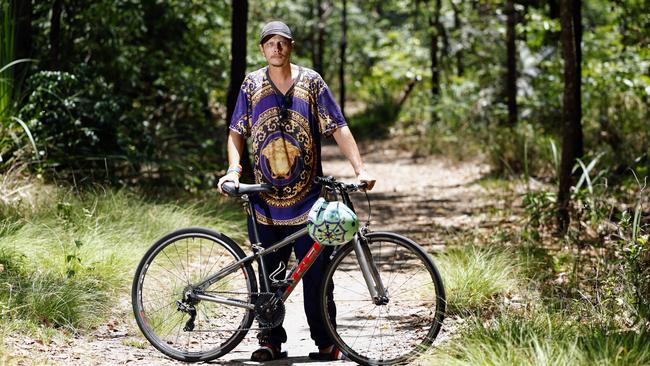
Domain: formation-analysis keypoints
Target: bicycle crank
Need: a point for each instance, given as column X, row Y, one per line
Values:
column 269, row 312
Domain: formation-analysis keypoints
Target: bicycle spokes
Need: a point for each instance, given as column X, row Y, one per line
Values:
column 389, row 329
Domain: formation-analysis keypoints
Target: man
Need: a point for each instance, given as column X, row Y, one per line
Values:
column 285, row 109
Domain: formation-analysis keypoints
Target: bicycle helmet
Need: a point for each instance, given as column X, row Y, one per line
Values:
column 331, row 223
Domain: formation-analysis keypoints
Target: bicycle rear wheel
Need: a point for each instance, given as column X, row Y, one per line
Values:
column 407, row 324
column 171, row 267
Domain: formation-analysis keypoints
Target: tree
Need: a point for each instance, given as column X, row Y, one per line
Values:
column 436, row 31
column 344, row 24
column 325, row 9
column 572, row 139
column 237, row 64
column 458, row 26
column 55, row 35
column 511, row 63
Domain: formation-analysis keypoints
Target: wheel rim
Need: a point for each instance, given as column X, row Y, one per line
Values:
column 172, row 269
column 397, row 331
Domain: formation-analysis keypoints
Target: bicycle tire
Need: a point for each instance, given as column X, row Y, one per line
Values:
column 159, row 281
column 413, row 315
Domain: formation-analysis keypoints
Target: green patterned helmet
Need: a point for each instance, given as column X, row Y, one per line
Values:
column 332, row 223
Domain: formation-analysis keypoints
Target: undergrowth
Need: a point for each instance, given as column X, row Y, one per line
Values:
column 67, row 258
column 476, row 277
column 581, row 298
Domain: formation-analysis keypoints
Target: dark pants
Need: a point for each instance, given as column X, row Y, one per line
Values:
column 312, row 280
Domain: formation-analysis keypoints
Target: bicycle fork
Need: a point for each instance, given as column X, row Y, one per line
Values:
column 378, row 292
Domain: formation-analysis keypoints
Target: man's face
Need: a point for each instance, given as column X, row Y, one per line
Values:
column 277, row 50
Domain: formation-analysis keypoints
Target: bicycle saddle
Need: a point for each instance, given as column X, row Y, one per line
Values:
column 229, row 188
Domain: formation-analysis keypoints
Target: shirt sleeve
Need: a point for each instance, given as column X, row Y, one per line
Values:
column 241, row 117
column 330, row 117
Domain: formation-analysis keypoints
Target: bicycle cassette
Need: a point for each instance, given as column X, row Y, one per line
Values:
column 268, row 313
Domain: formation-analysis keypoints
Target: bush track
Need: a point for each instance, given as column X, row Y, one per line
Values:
column 429, row 199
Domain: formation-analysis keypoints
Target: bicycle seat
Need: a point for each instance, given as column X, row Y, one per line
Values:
column 229, row 188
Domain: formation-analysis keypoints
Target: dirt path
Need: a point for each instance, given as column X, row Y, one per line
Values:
column 426, row 199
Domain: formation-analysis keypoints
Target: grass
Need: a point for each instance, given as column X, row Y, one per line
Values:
column 538, row 333
column 542, row 338
column 66, row 257
column 475, row 277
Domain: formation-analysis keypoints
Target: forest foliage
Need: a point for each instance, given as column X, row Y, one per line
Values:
column 137, row 89
column 134, row 93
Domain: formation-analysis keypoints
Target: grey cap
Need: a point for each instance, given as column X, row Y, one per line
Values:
column 275, row 28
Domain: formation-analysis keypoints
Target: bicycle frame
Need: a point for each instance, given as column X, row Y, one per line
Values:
column 376, row 289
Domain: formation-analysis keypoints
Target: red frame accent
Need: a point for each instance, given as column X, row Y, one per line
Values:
column 303, row 266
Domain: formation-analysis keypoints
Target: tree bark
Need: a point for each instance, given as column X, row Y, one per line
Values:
column 343, row 61
column 511, row 63
column 553, row 9
column 433, row 19
column 572, row 140
column 55, row 35
column 434, row 23
column 238, row 52
column 460, row 67
column 320, row 39
column 238, row 67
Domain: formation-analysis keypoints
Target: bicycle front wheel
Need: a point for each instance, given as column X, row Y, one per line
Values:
column 410, row 319
column 168, row 271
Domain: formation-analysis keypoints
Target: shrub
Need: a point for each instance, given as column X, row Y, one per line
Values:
column 73, row 118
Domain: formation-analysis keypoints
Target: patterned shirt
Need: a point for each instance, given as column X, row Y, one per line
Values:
column 285, row 132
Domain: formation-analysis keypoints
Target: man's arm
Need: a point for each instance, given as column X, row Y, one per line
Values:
column 235, row 149
column 348, row 146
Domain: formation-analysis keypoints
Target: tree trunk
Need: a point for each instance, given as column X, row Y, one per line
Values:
column 23, row 44
column 405, row 94
column 460, row 67
column 553, row 9
column 434, row 23
column 320, row 39
column 55, row 35
column 572, row 142
column 434, row 28
column 312, row 34
column 238, row 68
column 511, row 63
column 343, row 50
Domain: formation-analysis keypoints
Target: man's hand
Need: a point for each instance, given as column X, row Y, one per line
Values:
column 230, row 177
column 365, row 177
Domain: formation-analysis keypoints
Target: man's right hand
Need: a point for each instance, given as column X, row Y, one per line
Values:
column 230, row 177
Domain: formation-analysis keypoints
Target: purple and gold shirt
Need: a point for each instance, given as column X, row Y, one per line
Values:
column 285, row 134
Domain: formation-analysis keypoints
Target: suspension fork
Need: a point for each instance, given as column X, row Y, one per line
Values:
column 369, row 270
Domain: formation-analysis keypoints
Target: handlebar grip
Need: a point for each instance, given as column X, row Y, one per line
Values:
column 328, row 179
column 229, row 188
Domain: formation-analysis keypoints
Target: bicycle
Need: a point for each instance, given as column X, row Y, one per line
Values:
column 389, row 296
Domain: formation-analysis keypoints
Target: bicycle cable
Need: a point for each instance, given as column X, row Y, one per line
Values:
column 369, row 209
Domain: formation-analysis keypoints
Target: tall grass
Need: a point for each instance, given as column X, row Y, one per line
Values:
column 69, row 257
column 542, row 338
column 476, row 277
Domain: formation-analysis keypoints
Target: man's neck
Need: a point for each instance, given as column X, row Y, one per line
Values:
column 281, row 73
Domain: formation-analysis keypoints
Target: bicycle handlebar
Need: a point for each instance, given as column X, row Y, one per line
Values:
column 331, row 183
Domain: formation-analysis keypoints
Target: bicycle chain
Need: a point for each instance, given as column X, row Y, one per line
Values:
column 261, row 328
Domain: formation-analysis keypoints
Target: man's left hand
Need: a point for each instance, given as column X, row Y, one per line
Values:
column 365, row 177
